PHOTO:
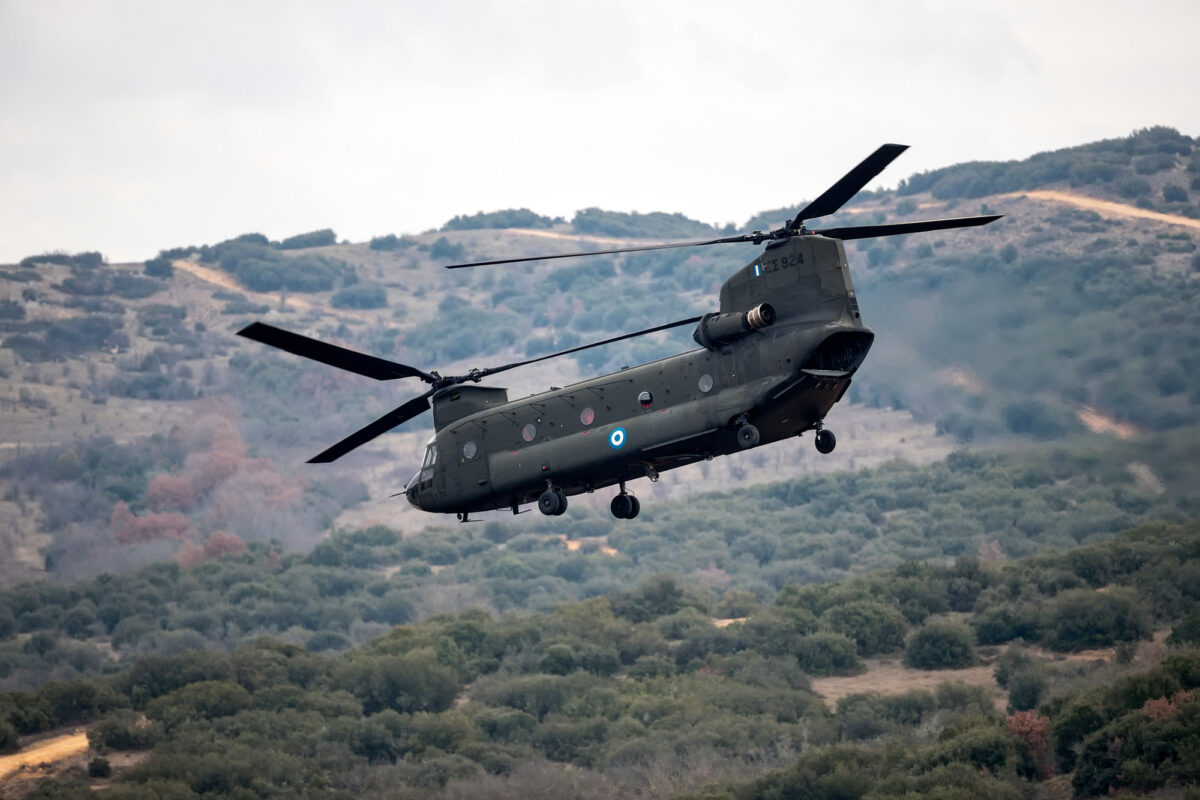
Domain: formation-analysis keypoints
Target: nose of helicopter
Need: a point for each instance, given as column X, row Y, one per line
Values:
column 410, row 490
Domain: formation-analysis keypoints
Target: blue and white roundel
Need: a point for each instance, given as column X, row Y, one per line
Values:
column 616, row 438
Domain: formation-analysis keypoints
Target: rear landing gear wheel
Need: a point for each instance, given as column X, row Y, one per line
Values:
column 825, row 441
column 552, row 503
column 635, row 507
column 622, row 506
column 747, row 436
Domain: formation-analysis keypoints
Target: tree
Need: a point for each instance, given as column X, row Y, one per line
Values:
column 360, row 295
column 1082, row 618
column 443, row 250
column 1025, row 689
column 1187, row 632
column 1174, row 194
column 941, row 644
column 10, row 742
column 321, row 238
column 828, row 654
column 874, row 627
column 159, row 268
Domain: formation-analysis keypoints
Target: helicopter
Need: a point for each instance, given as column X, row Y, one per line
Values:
column 772, row 361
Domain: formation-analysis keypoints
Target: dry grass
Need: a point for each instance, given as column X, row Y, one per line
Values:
column 889, row 676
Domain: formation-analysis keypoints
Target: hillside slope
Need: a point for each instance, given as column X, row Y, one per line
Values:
column 1056, row 320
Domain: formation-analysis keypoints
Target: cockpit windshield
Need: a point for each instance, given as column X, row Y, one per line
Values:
column 424, row 476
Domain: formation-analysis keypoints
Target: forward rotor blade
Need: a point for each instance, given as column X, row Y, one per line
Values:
column 656, row 329
column 851, row 184
column 668, row 246
column 413, row 408
column 378, row 368
column 896, row 228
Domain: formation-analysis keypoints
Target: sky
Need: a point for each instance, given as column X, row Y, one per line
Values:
column 129, row 126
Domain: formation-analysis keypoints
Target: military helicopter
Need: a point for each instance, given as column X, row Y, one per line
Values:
column 772, row 361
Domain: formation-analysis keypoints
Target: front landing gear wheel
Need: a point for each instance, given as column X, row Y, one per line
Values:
column 552, row 503
column 747, row 436
column 635, row 507
column 825, row 441
column 622, row 506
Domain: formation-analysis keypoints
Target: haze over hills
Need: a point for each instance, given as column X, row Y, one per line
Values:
column 1033, row 394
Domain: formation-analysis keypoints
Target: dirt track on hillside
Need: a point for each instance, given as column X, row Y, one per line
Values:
column 218, row 278
column 1105, row 208
column 47, row 751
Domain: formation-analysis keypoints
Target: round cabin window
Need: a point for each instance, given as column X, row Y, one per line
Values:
column 587, row 416
column 528, row 432
column 646, row 399
column 469, row 450
column 705, row 383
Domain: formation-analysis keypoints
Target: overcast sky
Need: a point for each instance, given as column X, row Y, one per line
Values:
column 127, row 127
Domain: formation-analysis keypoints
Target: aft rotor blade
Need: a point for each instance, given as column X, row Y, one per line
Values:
column 896, row 228
column 851, row 184
column 655, row 329
column 413, row 408
column 668, row 246
column 378, row 368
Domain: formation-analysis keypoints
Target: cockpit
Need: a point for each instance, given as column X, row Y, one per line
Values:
column 422, row 480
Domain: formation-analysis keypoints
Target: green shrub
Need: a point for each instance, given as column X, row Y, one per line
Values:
column 10, row 742
column 874, row 627
column 508, row 218
column 1174, row 194
column 940, row 645
column 828, row 654
column 159, row 268
column 1081, row 619
column 300, row 241
column 1186, row 632
column 385, row 243
column 1026, row 689
column 443, row 250
column 360, row 295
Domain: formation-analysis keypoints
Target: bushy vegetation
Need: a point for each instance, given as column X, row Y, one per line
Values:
column 260, row 265
column 1064, row 332
column 360, row 295
column 68, row 338
column 391, row 242
column 940, row 644
column 634, row 225
column 1105, row 163
column 301, row 241
column 88, row 260
column 507, row 218
column 615, row 686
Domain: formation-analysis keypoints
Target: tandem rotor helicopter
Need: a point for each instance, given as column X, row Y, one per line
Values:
column 773, row 360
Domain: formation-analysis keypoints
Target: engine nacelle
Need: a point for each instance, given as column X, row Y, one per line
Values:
column 715, row 330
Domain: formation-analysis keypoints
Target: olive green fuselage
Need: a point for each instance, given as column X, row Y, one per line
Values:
column 783, row 379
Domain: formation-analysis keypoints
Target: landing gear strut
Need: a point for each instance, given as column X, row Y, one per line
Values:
column 825, row 440
column 552, row 502
column 624, row 505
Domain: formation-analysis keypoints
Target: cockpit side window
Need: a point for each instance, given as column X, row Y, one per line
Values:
column 430, row 456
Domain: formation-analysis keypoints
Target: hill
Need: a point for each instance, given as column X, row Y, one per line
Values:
column 1054, row 321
